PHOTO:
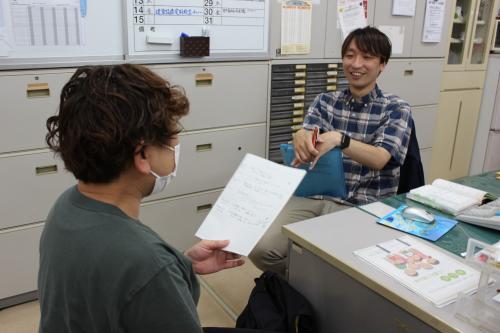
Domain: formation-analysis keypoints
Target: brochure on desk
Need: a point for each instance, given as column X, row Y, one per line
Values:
column 430, row 273
column 431, row 231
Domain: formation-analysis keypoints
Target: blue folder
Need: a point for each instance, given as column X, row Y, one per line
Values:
column 327, row 177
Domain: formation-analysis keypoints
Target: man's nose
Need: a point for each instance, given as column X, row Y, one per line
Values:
column 357, row 61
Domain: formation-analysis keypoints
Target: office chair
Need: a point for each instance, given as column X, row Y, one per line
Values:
column 412, row 171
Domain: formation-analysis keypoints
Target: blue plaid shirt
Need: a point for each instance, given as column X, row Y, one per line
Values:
column 378, row 120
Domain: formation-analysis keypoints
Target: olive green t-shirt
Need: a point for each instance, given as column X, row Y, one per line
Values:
column 102, row 271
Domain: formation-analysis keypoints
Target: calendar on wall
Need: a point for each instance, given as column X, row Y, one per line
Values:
column 233, row 26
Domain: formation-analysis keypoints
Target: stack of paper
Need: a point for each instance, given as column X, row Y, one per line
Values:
column 427, row 272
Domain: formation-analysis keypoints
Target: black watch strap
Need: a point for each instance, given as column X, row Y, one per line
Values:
column 345, row 141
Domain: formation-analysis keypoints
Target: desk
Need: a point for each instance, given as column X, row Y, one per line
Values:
column 455, row 241
column 350, row 295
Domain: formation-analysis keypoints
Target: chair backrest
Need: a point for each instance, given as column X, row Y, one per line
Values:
column 412, row 171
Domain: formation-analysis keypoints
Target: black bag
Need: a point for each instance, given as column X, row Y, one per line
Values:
column 274, row 305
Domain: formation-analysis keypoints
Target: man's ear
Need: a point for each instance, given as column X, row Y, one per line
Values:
column 141, row 164
column 381, row 68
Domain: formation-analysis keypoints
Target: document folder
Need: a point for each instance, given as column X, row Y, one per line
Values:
column 326, row 178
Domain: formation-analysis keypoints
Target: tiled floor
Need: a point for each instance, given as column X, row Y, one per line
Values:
column 223, row 297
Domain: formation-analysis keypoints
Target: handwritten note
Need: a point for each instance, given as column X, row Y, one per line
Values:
column 252, row 199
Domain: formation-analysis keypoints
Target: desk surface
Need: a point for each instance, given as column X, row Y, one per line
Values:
column 455, row 241
column 334, row 237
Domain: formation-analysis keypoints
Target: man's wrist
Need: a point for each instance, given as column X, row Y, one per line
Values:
column 345, row 141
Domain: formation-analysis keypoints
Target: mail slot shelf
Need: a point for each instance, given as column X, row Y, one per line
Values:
column 293, row 88
column 281, row 138
column 287, row 122
column 287, row 99
column 288, row 83
column 281, row 130
column 286, row 114
column 302, row 98
column 288, row 68
column 287, row 107
column 275, row 146
column 275, row 156
column 288, row 91
column 305, row 67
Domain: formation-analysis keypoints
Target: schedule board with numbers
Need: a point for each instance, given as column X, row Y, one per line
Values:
column 234, row 26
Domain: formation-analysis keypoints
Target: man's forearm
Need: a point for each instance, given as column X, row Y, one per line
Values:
column 368, row 155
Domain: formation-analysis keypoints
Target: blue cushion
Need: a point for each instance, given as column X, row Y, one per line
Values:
column 327, row 177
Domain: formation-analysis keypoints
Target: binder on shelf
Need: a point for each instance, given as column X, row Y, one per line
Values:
column 326, row 178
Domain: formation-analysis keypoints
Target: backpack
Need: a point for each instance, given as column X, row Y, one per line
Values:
column 274, row 305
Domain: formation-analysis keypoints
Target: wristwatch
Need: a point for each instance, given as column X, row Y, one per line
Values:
column 345, row 141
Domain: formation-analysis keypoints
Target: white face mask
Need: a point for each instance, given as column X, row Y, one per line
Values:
column 162, row 181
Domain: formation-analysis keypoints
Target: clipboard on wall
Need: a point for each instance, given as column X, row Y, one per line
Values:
column 327, row 177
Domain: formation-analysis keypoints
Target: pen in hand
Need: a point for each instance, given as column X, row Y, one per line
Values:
column 314, row 142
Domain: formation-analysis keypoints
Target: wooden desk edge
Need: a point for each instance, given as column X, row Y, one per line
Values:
column 429, row 319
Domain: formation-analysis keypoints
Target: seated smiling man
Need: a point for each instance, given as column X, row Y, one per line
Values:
column 370, row 126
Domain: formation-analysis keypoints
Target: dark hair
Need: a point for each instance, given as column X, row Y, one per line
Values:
column 105, row 112
column 369, row 40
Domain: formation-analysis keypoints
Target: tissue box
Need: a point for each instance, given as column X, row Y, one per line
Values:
column 196, row 46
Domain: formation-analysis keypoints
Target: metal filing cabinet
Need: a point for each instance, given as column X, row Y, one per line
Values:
column 219, row 130
column 293, row 88
column 29, row 97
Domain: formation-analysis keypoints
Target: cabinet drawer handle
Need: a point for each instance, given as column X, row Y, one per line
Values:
column 204, row 147
column 408, row 72
column 37, row 90
column 204, row 79
column 203, row 208
column 47, row 169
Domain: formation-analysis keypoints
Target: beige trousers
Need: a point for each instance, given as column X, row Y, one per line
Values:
column 271, row 251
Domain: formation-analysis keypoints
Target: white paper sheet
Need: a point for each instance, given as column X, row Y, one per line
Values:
column 404, row 7
column 296, row 26
column 252, row 199
column 5, row 35
column 429, row 273
column 47, row 23
column 2, row 13
column 377, row 208
column 351, row 15
column 433, row 21
column 397, row 36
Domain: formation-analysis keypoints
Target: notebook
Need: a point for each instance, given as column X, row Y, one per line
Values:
column 326, row 178
column 447, row 196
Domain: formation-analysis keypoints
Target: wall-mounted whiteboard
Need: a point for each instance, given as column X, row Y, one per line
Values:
column 234, row 26
column 56, row 32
